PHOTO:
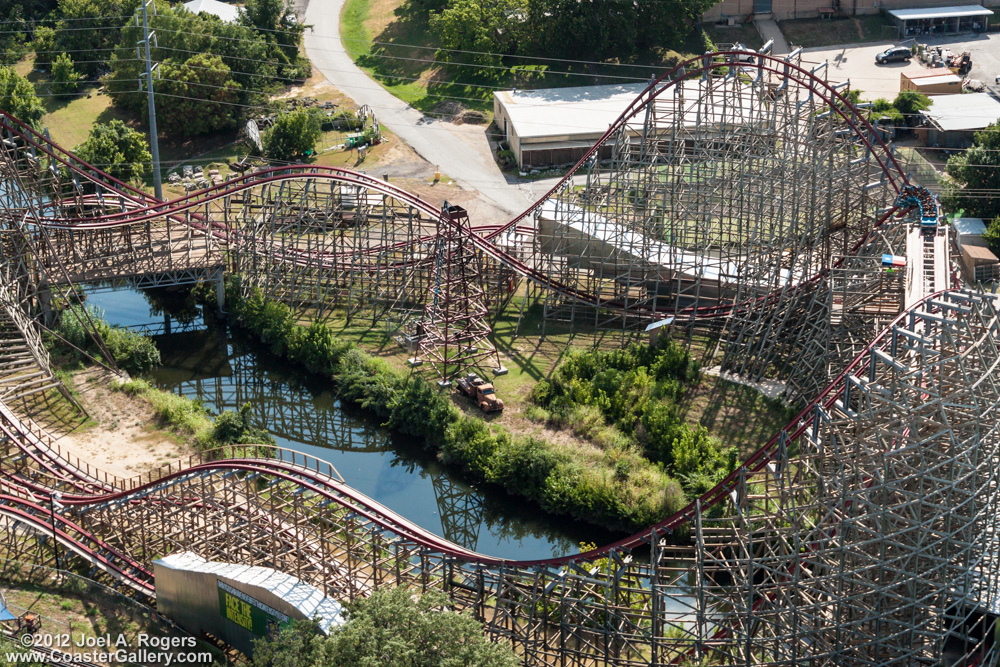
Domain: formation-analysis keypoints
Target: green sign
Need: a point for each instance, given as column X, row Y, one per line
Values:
column 248, row 613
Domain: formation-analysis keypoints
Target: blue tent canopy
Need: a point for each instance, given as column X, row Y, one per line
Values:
column 4, row 614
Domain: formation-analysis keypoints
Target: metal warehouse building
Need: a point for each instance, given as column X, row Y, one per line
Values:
column 558, row 125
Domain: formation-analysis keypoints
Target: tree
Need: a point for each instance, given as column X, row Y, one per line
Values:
column 910, row 103
column 473, row 26
column 242, row 51
column 294, row 135
column 65, row 78
column 44, row 45
column 92, row 27
column 277, row 24
column 992, row 235
column 882, row 110
column 117, row 149
column 390, row 628
column 202, row 96
column 974, row 183
column 18, row 98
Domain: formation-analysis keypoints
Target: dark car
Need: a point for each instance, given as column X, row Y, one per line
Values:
column 894, row 54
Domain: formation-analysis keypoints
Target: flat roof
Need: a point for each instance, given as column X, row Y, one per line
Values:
column 974, row 226
column 566, row 113
column 621, row 238
column 977, row 252
column 971, row 111
column 959, row 11
column 928, row 79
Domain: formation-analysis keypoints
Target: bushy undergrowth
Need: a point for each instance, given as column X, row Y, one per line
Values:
column 604, row 395
column 618, row 489
column 189, row 420
column 133, row 352
column 181, row 415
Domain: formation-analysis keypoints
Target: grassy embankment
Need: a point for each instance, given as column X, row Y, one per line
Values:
column 403, row 60
column 606, row 482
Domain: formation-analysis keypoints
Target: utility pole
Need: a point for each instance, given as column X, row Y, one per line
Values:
column 154, row 145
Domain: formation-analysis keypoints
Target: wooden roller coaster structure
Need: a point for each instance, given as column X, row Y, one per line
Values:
column 749, row 199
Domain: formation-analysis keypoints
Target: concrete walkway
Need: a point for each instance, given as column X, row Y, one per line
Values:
column 452, row 147
column 768, row 29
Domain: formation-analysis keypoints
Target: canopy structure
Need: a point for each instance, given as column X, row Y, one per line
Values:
column 5, row 614
column 940, row 20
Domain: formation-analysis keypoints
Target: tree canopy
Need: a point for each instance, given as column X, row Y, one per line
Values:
column 117, row 149
column 199, row 96
column 294, row 135
column 65, row 78
column 974, row 183
column 18, row 98
column 204, row 58
column 91, row 28
column 390, row 628
column 486, row 30
column 276, row 23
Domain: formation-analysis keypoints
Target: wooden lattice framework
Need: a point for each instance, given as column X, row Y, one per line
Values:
column 862, row 533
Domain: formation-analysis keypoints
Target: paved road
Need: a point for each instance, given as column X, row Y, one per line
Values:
column 461, row 150
column 857, row 62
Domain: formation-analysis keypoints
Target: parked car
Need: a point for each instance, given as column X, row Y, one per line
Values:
column 894, row 54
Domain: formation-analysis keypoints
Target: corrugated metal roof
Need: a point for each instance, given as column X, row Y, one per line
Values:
column 972, row 111
column 588, row 111
column 307, row 599
column 960, row 11
column 967, row 226
column 935, row 78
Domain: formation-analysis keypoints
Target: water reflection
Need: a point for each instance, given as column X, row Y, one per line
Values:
column 225, row 370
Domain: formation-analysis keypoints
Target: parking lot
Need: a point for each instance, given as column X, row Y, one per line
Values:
column 857, row 63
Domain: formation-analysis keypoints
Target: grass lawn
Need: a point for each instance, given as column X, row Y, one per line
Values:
column 829, row 32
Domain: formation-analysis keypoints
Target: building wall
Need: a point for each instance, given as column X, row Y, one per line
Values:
column 191, row 599
column 808, row 9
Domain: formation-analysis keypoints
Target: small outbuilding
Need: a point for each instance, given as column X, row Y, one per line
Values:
column 980, row 264
column 953, row 119
column 559, row 125
column 931, row 83
column 225, row 11
column 969, row 232
column 236, row 603
column 555, row 126
column 941, row 20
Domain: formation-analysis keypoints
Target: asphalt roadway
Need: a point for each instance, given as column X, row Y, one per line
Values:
column 857, row 63
column 461, row 151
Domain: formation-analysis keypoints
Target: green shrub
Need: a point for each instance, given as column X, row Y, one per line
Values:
column 132, row 352
column 237, row 428
column 523, row 465
column 469, row 445
column 418, row 410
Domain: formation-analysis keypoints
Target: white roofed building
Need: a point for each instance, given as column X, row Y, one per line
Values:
column 557, row 126
column 954, row 119
column 225, row 11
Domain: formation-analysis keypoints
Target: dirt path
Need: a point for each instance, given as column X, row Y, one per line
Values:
column 125, row 440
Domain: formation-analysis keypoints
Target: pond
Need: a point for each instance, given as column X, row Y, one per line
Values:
column 206, row 360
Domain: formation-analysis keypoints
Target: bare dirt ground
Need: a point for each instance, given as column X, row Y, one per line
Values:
column 122, row 437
